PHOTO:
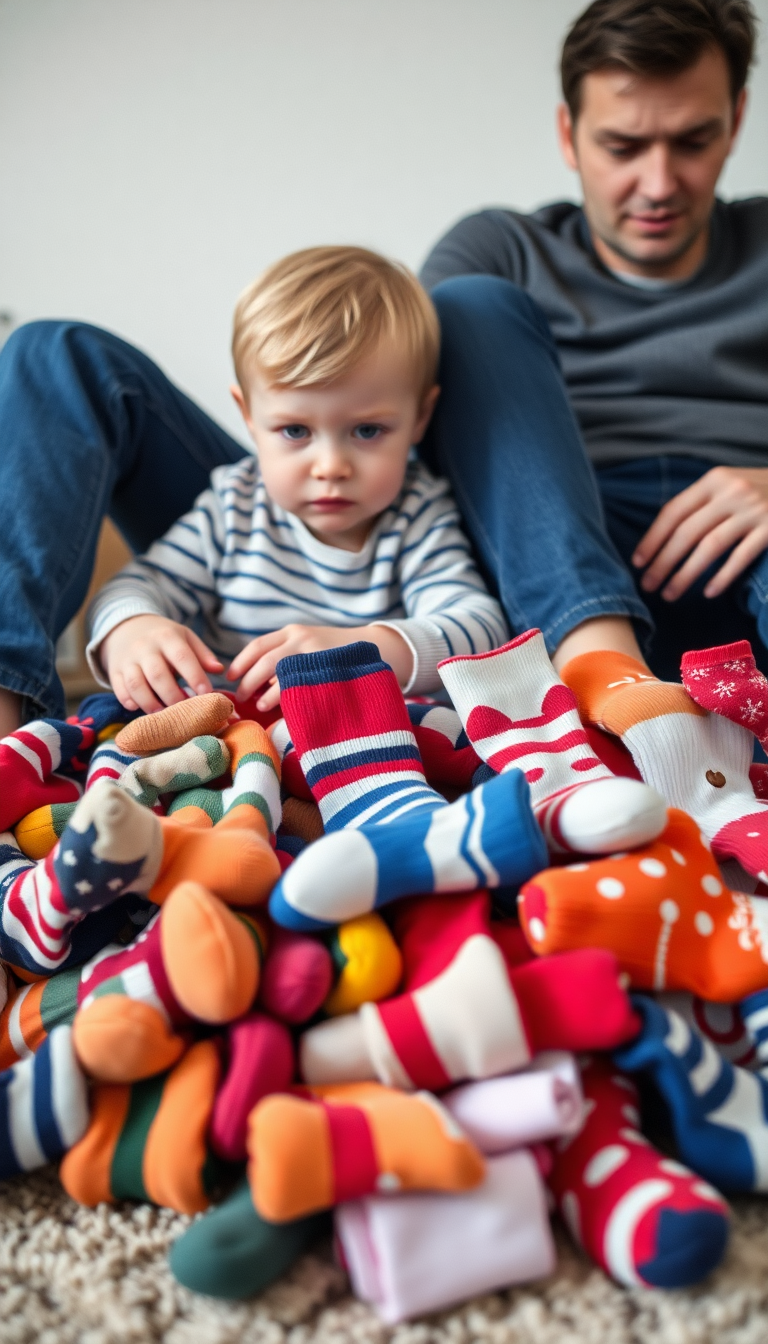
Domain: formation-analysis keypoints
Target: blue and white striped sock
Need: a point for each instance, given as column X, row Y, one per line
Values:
column 754, row 1015
column 719, row 1112
column 487, row 838
column 43, row 1106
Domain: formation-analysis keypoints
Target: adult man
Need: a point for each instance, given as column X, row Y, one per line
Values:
column 654, row 292
column 88, row 424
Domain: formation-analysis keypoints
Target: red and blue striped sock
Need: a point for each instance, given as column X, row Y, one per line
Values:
column 348, row 722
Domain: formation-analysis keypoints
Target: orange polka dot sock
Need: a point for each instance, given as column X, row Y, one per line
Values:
column 518, row 715
column 195, row 961
column 314, row 1149
column 663, row 911
column 697, row 761
column 645, row 1219
column 149, row 1141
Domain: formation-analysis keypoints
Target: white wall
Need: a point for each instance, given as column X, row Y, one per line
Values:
column 156, row 154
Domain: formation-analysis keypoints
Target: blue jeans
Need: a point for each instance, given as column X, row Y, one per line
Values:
column 89, row 425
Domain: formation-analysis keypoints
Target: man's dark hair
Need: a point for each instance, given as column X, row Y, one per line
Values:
column 656, row 38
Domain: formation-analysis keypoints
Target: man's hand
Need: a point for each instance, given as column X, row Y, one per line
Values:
column 727, row 507
column 256, row 663
column 143, row 657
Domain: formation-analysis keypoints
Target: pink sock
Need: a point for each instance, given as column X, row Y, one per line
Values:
column 297, row 976
column 644, row 1218
column 726, row 680
column 518, row 715
column 260, row 1062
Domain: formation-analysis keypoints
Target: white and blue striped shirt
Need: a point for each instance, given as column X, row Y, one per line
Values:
column 237, row 566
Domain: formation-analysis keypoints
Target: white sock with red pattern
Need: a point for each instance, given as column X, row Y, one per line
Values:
column 518, row 715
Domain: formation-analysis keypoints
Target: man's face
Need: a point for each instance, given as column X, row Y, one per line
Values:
column 649, row 153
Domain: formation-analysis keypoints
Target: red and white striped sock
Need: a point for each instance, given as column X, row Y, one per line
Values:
column 519, row 716
column 727, row 681
column 643, row 1218
column 466, row 1013
column 29, row 761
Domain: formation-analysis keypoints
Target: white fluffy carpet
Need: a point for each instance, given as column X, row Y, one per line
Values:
column 70, row 1275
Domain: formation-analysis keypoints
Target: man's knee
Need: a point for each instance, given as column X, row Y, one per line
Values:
column 486, row 301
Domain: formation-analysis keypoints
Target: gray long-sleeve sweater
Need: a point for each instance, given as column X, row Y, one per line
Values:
column 680, row 370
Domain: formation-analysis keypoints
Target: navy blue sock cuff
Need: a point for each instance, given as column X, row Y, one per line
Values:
column 346, row 663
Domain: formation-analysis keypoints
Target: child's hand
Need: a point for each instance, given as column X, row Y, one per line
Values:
column 256, row 663
column 144, row 655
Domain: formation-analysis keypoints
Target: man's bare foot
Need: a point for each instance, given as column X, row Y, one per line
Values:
column 10, row 711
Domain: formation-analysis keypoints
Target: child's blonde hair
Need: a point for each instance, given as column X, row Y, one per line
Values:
column 313, row 316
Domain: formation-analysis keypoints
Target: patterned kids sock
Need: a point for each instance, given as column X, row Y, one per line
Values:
column 726, row 680
column 721, row 1023
column 698, row 762
column 347, row 718
column 110, row 846
column 30, row 760
column 719, row 1112
column 475, row 1018
column 33, row 1012
column 368, row 964
column 260, row 1062
column 294, row 785
column 519, row 716
column 448, row 757
column 43, row 1106
column 643, row 1218
column 103, row 713
column 487, row 838
column 663, row 911
column 196, row 763
column 37, row 833
column 753, row 1012
column 196, row 960
column 296, row 976
column 148, row 1141
column 308, row 1152
column 108, row 762
column 253, row 799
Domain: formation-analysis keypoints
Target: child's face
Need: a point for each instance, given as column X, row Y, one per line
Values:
column 335, row 455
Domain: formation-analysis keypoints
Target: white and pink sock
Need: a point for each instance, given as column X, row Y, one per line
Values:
column 518, row 715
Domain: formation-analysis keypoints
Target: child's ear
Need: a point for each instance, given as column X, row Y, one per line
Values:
column 428, row 404
column 242, row 405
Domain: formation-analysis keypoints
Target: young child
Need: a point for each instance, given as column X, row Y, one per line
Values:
column 332, row 533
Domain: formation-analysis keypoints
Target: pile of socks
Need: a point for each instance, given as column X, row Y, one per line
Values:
column 422, row 973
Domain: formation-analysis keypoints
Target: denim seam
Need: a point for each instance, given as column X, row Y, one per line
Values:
column 118, row 389
column 11, row 681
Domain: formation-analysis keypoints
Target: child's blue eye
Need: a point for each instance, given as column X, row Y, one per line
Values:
column 295, row 432
column 367, row 432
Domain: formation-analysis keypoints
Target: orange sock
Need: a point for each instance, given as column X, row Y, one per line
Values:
column 149, row 1141
column 313, row 1149
column 240, row 867
column 172, row 727
column 662, row 910
column 197, row 960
